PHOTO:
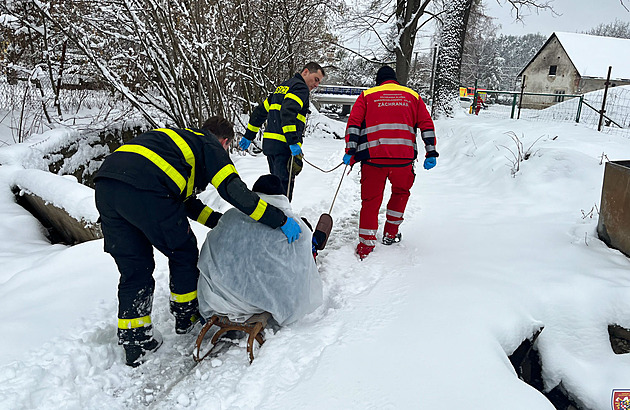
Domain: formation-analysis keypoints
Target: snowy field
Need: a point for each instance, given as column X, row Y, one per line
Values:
column 488, row 256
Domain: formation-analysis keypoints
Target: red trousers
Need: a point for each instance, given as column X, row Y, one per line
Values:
column 372, row 186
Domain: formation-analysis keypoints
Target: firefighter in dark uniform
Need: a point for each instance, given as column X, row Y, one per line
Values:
column 285, row 112
column 145, row 190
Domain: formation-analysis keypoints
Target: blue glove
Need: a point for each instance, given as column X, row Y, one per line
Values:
column 291, row 229
column 430, row 162
column 295, row 149
column 244, row 143
column 347, row 158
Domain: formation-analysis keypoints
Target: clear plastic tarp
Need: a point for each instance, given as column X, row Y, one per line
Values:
column 247, row 268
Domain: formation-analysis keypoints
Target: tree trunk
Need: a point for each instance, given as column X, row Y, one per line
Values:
column 408, row 12
column 449, row 62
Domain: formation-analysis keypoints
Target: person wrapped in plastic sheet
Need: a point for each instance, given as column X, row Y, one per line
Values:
column 247, row 268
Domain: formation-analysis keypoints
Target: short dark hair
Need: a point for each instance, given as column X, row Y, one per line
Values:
column 220, row 127
column 313, row 67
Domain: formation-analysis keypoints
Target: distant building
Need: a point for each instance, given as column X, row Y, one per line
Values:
column 571, row 63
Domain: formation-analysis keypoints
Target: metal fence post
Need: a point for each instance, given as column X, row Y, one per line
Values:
column 513, row 105
column 579, row 109
column 473, row 107
column 520, row 103
column 603, row 110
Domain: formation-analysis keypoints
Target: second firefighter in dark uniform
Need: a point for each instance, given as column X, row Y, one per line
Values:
column 145, row 190
column 285, row 111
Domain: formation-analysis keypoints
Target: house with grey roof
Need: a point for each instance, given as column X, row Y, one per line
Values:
column 572, row 63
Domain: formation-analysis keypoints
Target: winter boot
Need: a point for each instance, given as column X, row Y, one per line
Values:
column 389, row 240
column 186, row 315
column 184, row 324
column 363, row 250
column 134, row 353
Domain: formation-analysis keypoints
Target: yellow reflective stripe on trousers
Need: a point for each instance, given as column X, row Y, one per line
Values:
column 204, row 215
column 160, row 162
column 252, row 128
column 134, row 323
column 301, row 118
column 274, row 136
column 187, row 297
column 295, row 98
column 259, row 211
column 188, row 154
column 289, row 128
column 222, row 174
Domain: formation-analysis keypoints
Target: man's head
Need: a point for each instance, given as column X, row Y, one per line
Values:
column 312, row 73
column 221, row 128
column 385, row 73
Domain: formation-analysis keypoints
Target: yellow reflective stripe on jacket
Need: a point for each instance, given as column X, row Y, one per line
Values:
column 204, row 215
column 274, row 136
column 301, row 118
column 275, row 107
column 160, row 162
column 295, row 98
column 391, row 87
column 266, row 104
column 134, row 323
column 188, row 155
column 289, row 128
column 259, row 211
column 195, row 132
column 187, row 297
column 252, row 128
column 222, row 174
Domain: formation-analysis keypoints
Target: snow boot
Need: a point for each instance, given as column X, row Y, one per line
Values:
column 134, row 353
column 390, row 240
column 184, row 324
column 363, row 250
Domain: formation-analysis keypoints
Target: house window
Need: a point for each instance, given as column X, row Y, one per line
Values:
column 559, row 95
column 553, row 69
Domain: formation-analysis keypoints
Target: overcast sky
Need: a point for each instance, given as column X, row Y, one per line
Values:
column 575, row 16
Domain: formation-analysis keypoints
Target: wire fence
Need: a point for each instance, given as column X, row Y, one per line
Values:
column 584, row 109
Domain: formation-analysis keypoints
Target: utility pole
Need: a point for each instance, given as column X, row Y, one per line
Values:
column 435, row 49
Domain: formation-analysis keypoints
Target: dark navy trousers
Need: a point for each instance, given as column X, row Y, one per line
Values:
column 279, row 166
column 133, row 222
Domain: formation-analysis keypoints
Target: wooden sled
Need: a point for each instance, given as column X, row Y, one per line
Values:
column 254, row 327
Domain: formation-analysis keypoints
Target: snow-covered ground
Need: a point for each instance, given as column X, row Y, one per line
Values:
column 487, row 257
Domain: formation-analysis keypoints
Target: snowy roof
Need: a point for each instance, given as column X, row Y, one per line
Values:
column 592, row 55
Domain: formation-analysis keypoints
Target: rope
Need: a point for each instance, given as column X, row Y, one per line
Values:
column 339, row 186
column 324, row 171
column 305, row 160
column 290, row 174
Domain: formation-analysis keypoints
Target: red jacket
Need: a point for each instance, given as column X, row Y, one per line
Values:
column 382, row 126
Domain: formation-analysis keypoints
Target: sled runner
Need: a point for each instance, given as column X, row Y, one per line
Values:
column 253, row 327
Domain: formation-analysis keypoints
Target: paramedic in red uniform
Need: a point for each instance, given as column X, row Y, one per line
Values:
column 381, row 135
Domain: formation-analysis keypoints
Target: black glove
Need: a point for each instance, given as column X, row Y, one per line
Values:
column 213, row 219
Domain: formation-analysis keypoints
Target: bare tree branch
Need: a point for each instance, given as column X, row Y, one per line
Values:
column 372, row 60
